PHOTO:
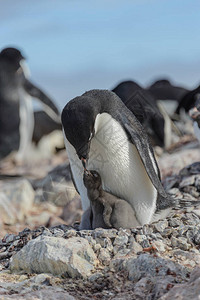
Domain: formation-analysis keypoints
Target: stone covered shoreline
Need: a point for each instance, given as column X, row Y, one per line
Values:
column 156, row 261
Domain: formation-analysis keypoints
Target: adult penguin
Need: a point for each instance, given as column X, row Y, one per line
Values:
column 194, row 113
column 102, row 134
column 163, row 89
column 188, row 100
column 144, row 107
column 16, row 112
column 43, row 125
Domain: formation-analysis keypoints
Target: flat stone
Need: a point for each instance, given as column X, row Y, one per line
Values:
column 180, row 242
column 55, row 255
column 161, row 225
column 121, row 240
column 103, row 233
column 8, row 214
column 148, row 265
column 190, row 180
column 160, row 246
column 135, row 247
column 104, row 256
column 175, row 222
column 20, row 195
column 50, row 293
column 189, row 290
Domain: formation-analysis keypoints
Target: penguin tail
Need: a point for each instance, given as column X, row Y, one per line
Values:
column 176, row 203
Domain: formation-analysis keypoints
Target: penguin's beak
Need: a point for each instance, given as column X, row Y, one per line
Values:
column 83, row 160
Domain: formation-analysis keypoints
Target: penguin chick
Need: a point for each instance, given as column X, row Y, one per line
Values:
column 108, row 211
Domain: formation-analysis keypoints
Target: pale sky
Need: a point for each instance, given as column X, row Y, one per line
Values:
column 75, row 45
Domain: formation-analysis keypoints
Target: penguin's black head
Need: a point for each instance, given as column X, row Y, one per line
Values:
column 11, row 55
column 92, row 179
column 78, row 119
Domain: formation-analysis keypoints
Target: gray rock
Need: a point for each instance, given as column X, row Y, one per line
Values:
column 197, row 182
column 50, row 293
column 189, row 290
column 166, row 232
column 135, row 247
column 190, row 234
column 191, row 169
column 160, row 246
column 108, row 244
column 45, row 254
column 57, row 186
column 142, row 240
column 47, row 232
column 9, row 238
column 182, row 229
column 8, row 214
column 122, row 253
column 91, row 241
column 197, row 239
column 180, row 242
column 152, row 287
column 187, row 181
column 191, row 190
column 146, row 229
column 175, row 222
column 148, row 265
column 95, row 276
column 161, row 225
column 70, row 233
column 104, row 256
column 97, row 247
column 57, row 232
column 121, row 241
column 104, row 233
column 20, row 195
column 175, row 192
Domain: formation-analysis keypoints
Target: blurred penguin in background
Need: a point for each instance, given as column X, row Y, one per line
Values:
column 188, row 101
column 194, row 113
column 163, row 89
column 144, row 106
column 16, row 110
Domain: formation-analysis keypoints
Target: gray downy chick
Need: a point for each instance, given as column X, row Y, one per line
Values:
column 108, row 211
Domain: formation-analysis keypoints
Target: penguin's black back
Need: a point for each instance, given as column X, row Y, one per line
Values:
column 164, row 90
column 144, row 107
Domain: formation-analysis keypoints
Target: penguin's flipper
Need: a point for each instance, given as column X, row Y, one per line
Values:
column 49, row 107
column 138, row 137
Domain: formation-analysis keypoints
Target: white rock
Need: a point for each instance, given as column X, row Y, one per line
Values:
column 8, row 214
column 57, row 256
column 20, row 195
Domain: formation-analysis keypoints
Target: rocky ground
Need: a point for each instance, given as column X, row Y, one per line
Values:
column 42, row 256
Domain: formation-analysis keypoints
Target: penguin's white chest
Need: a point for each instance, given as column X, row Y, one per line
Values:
column 26, row 123
column 120, row 166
